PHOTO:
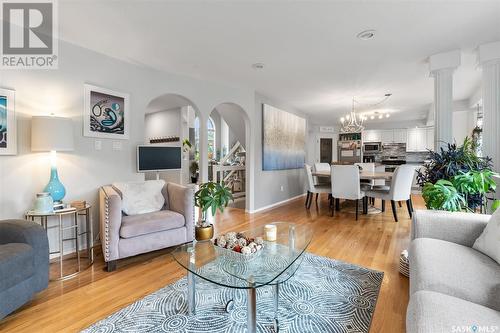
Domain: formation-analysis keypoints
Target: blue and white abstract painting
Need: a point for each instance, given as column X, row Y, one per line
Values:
column 3, row 121
column 283, row 141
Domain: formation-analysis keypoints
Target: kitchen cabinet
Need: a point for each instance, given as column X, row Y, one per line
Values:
column 372, row 136
column 400, row 135
column 420, row 139
column 385, row 136
column 430, row 138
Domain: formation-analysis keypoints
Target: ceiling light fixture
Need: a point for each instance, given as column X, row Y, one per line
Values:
column 354, row 123
column 258, row 65
column 366, row 34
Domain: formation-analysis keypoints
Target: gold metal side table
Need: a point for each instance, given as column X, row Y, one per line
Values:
column 74, row 214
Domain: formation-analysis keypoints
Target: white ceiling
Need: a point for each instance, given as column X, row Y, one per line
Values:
column 313, row 61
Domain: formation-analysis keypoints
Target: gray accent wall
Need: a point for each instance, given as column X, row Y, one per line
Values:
column 268, row 183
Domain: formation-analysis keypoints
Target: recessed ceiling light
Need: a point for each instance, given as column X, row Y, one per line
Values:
column 258, row 65
column 372, row 117
column 380, row 117
column 367, row 34
column 387, row 115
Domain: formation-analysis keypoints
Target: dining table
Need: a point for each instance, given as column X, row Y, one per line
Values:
column 365, row 175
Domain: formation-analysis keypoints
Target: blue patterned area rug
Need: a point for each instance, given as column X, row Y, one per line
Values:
column 324, row 295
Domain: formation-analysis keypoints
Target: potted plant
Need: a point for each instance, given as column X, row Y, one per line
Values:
column 456, row 178
column 209, row 198
column 193, row 169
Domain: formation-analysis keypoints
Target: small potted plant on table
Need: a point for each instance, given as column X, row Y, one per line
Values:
column 209, row 198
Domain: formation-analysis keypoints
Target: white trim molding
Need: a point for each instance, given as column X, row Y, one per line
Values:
column 279, row 203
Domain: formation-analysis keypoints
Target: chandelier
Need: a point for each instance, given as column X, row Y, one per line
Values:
column 353, row 122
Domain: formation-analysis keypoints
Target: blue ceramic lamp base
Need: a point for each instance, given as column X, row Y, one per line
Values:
column 55, row 187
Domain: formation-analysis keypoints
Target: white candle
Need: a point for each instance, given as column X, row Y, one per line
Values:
column 270, row 232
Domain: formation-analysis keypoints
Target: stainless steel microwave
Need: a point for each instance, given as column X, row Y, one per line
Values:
column 372, row 147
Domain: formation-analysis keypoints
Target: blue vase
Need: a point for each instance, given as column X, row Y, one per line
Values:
column 55, row 187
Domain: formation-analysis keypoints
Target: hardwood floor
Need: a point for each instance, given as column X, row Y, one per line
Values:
column 375, row 241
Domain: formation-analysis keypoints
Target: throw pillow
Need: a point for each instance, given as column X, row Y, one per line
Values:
column 141, row 197
column 489, row 241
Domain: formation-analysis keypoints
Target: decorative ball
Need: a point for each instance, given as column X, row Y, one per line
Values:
column 221, row 241
column 231, row 236
column 230, row 244
column 246, row 250
column 259, row 241
column 242, row 242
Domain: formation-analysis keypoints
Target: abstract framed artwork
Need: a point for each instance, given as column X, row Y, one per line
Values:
column 106, row 113
column 8, row 126
column 283, row 139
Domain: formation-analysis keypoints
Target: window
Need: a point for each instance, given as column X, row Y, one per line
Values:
column 211, row 137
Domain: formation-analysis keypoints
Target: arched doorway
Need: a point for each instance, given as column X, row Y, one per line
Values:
column 228, row 128
column 170, row 120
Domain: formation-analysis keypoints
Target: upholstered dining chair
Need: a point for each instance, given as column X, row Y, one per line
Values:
column 312, row 187
column 322, row 167
column 399, row 190
column 346, row 185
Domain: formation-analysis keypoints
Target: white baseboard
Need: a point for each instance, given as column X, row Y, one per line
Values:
column 275, row 204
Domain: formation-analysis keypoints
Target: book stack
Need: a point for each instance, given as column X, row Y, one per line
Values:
column 79, row 204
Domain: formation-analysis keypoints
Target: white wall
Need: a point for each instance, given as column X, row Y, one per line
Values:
column 268, row 183
column 162, row 123
column 233, row 117
column 313, row 142
column 463, row 124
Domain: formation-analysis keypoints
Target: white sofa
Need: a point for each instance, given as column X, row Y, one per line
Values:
column 453, row 288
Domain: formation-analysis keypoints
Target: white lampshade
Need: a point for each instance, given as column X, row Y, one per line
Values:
column 51, row 133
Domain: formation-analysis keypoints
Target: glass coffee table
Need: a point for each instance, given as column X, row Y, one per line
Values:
column 274, row 264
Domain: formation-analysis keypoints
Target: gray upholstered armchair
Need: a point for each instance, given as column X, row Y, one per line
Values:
column 128, row 235
column 24, row 263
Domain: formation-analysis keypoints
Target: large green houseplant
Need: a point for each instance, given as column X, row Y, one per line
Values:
column 456, row 178
column 210, row 198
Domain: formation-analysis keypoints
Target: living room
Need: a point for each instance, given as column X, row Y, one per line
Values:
column 225, row 166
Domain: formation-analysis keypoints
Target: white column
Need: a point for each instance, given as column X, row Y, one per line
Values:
column 203, row 148
column 489, row 59
column 441, row 68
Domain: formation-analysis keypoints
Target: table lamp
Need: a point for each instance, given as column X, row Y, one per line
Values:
column 52, row 134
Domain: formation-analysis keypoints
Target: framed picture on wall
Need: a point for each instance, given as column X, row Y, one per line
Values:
column 8, row 126
column 106, row 113
column 283, row 139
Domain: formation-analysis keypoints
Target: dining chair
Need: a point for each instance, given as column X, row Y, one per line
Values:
column 345, row 185
column 312, row 187
column 318, row 180
column 399, row 190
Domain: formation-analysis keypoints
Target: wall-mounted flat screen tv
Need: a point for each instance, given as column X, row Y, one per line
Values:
column 158, row 158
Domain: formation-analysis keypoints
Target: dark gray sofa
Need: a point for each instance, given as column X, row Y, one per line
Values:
column 24, row 263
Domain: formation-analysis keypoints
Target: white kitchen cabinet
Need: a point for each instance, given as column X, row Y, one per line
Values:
column 400, row 135
column 387, row 136
column 430, row 138
column 420, row 139
column 372, row 136
column 411, row 140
